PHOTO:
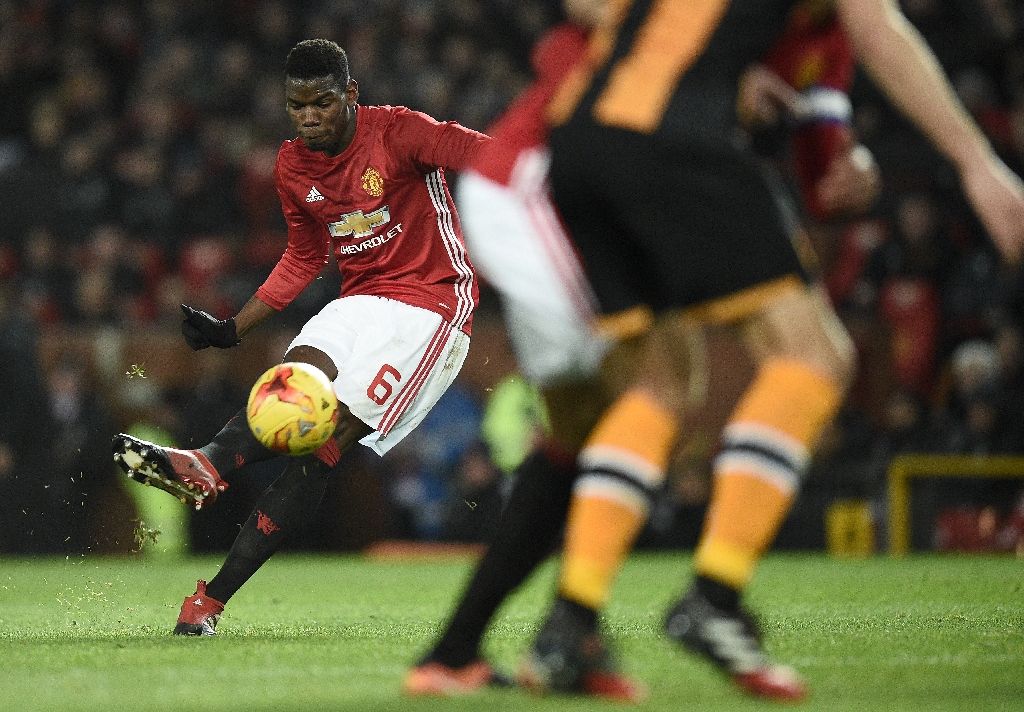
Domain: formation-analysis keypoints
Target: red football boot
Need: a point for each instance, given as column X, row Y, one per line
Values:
column 434, row 679
column 612, row 685
column 186, row 474
column 199, row 613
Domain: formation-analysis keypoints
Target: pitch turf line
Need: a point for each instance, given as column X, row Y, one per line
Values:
column 312, row 633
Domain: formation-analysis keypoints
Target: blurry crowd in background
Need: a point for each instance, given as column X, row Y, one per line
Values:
column 137, row 141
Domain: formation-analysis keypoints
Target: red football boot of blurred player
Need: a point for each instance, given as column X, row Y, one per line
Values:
column 569, row 656
column 434, row 679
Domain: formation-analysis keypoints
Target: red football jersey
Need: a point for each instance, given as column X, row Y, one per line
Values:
column 815, row 57
column 813, row 51
column 523, row 125
column 383, row 207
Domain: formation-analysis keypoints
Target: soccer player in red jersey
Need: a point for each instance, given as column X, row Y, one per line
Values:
column 805, row 79
column 366, row 183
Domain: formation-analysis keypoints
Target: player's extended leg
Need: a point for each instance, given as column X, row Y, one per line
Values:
column 196, row 476
column 362, row 332
column 805, row 363
column 282, row 509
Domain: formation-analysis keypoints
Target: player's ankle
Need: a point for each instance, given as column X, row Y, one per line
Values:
column 718, row 594
column 585, row 615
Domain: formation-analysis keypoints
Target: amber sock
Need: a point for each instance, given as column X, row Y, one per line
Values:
column 622, row 464
column 766, row 446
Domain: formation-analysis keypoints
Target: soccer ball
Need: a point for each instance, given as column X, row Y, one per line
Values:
column 292, row 408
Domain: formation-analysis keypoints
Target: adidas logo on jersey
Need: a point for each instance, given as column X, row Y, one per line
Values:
column 314, row 195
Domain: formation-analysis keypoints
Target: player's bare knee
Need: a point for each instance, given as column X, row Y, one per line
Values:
column 846, row 361
column 832, row 351
column 833, row 357
column 314, row 357
column 802, row 326
column 668, row 362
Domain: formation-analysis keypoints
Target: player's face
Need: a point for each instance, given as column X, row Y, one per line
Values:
column 322, row 112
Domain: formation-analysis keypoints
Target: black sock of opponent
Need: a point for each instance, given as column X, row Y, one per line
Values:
column 526, row 533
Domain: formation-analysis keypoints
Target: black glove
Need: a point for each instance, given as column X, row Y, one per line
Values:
column 201, row 330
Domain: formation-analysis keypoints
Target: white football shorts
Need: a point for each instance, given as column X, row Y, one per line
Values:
column 518, row 245
column 394, row 361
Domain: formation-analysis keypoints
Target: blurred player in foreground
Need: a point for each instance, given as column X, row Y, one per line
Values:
column 549, row 311
column 366, row 183
column 675, row 221
column 519, row 245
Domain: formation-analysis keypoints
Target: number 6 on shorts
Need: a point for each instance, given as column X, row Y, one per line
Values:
column 394, row 361
column 380, row 389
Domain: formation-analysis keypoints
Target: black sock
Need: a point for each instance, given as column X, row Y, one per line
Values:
column 285, row 507
column 526, row 533
column 583, row 616
column 718, row 594
column 234, row 446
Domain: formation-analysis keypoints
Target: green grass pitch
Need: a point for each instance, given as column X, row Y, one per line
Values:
column 337, row 633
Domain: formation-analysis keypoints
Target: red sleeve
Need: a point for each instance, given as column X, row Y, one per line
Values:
column 813, row 51
column 303, row 258
column 558, row 51
column 815, row 57
column 433, row 144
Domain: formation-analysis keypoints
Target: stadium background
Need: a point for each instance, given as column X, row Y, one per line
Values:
column 136, row 146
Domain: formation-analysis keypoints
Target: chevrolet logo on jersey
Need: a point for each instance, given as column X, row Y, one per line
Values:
column 357, row 224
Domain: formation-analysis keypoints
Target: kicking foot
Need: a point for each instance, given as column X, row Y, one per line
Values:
column 186, row 474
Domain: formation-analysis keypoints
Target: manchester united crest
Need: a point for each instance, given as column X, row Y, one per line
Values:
column 373, row 183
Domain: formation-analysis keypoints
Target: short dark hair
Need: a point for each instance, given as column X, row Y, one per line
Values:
column 312, row 59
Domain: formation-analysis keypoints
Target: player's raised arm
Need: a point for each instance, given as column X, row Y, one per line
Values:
column 902, row 65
